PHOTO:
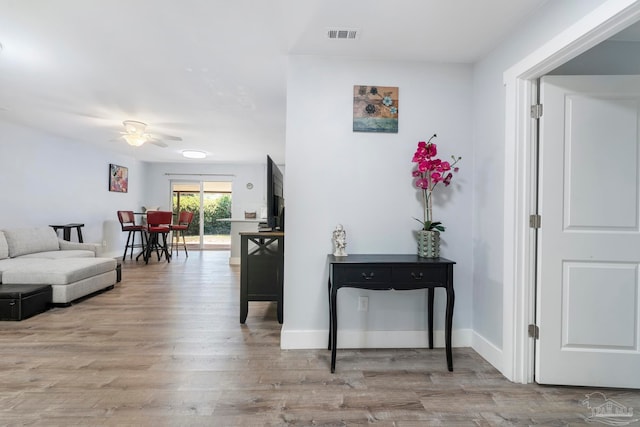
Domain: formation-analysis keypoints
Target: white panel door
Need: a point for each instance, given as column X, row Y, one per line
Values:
column 589, row 242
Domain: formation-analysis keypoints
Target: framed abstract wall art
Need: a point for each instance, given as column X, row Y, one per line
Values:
column 375, row 109
column 118, row 178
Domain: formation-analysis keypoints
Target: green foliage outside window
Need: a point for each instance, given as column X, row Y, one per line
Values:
column 214, row 208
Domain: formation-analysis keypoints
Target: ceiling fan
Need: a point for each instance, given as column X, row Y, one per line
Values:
column 136, row 134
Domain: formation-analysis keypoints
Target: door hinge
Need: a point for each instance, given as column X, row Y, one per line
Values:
column 534, row 331
column 536, row 111
column 535, row 221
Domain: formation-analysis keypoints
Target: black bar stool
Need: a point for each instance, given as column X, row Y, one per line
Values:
column 128, row 224
column 184, row 220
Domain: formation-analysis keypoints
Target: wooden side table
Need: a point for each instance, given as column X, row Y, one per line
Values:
column 66, row 230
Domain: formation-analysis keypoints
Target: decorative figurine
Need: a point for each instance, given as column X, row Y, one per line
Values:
column 339, row 241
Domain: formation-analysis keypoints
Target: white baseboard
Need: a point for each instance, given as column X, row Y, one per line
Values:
column 315, row 339
column 307, row 339
column 487, row 350
column 234, row 260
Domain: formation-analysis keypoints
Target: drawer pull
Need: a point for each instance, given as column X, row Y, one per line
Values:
column 416, row 276
column 368, row 277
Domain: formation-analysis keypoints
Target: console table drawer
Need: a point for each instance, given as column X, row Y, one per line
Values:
column 361, row 274
column 419, row 275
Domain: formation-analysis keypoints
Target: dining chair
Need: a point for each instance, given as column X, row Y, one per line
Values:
column 184, row 220
column 128, row 224
column 158, row 227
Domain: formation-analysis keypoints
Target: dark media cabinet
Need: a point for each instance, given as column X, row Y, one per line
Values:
column 261, row 269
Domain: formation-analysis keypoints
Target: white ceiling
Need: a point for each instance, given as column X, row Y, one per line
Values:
column 210, row 71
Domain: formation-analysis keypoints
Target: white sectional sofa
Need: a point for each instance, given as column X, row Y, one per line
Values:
column 37, row 256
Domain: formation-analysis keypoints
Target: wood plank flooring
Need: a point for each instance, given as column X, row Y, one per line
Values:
column 165, row 348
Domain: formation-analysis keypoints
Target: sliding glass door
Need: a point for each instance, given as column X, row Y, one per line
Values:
column 209, row 201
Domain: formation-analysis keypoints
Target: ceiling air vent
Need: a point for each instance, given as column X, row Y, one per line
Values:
column 342, row 34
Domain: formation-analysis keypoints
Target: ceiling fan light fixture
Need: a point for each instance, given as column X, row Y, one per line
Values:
column 194, row 154
column 134, row 127
column 135, row 140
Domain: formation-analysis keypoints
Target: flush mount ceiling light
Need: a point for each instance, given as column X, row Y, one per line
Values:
column 194, row 154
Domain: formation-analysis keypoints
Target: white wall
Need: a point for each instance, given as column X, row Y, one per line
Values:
column 158, row 191
column 46, row 180
column 363, row 181
column 489, row 143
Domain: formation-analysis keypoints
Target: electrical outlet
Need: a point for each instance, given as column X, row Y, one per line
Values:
column 363, row 303
column 104, row 243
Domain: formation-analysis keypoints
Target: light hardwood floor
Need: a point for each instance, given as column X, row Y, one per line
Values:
column 165, row 348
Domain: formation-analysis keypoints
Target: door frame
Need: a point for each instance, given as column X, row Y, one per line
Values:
column 520, row 176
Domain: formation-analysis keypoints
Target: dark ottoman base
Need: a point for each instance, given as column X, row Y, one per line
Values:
column 18, row 302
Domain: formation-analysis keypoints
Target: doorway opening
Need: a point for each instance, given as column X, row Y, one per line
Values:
column 516, row 358
column 209, row 201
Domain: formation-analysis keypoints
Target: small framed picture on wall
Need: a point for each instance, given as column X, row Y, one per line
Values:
column 375, row 109
column 118, row 178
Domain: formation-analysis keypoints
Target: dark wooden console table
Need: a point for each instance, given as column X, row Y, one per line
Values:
column 261, row 269
column 391, row 272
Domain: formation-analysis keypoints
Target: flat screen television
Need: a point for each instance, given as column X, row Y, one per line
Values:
column 275, row 196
